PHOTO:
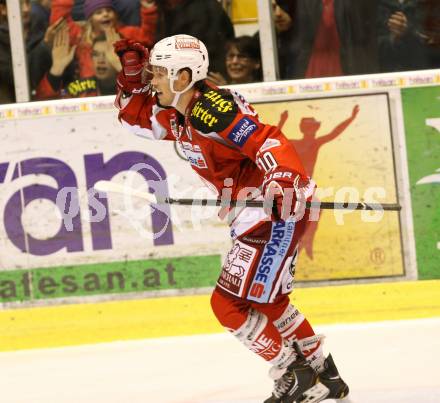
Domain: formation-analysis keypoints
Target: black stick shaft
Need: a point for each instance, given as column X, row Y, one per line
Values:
column 260, row 204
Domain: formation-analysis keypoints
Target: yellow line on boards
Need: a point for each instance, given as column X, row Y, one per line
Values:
column 64, row 325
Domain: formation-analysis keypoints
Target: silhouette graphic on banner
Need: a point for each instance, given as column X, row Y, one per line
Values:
column 308, row 148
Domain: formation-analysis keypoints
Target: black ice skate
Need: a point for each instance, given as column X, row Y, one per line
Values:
column 332, row 380
column 329, row 386
column 298, row 378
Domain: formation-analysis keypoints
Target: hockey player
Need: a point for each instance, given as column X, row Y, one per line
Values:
column 164, row 96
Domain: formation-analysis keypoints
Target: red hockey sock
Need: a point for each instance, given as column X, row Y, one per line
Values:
column 293, row 326
column 251, row 327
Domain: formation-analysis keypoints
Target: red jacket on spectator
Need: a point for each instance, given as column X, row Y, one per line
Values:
column 51, row 87
column 83, row 82
column 144, row 34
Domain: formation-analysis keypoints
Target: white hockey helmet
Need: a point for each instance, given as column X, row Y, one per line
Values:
column 178, row 52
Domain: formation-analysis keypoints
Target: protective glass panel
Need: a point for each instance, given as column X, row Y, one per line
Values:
column 75, row 56
column 408, row 35
column 227, row 28
column 7, row 91
column 327, row 38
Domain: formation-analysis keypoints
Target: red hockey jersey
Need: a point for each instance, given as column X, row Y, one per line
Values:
column 221, row 136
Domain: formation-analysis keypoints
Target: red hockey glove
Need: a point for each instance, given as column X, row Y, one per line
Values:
column 134, row 58
column 284, row 192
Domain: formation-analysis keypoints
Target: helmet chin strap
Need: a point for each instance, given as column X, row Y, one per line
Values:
column 177, row 94
column 176, row 99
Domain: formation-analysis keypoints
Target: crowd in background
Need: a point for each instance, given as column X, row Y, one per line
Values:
column 69, row 43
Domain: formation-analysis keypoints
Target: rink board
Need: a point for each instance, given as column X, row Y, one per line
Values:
column 130, row 251
column 174, row 316
column 47, row 257
column 357, row 164
column 422, row 128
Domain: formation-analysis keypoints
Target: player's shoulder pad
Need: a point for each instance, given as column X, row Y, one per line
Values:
column 214, row 111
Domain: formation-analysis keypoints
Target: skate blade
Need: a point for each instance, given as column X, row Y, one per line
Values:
column 315, row 394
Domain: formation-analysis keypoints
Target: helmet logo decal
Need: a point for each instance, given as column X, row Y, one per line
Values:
column 185, row 42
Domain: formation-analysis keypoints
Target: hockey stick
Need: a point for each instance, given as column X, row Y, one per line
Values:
column 111, row 187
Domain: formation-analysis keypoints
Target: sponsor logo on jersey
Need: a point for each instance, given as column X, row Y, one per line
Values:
column 183, row 42
column 271, row 261
column 194, row 155
column 201, row 113
column 186, row 145
column 241, row 132
column 214, row 111
column 218, row 102
column 244, row 105
column 268, row 144
column 289, row 275
column 236, row 268
column 175, row 129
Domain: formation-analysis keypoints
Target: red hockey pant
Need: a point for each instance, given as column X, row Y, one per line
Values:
column 251, row 298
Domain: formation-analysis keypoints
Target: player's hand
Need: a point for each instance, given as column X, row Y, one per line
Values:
column 284, row 193
column 134, row 58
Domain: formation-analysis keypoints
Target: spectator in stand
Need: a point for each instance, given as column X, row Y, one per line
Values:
column 243, row 62
column 40, row 17
column 204, row 19
column 335, row 37
column 400, row 47
column 38, row 55
column 7, row 90
column 74, row 74
column 106, row 64
column 101, row 17
column 36, row 37
column 283, row 13
column 64, row 78
column 7, row 93
column 128, row 11
column 429, row 34
column 100, row 14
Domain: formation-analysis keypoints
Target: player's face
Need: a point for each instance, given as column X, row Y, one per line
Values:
column 161, row 84
column 103, row 18
column 240, row 67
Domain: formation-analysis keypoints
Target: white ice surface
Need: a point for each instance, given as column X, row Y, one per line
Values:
column 392, row 362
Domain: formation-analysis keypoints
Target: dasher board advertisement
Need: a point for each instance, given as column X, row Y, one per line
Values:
column 345, row 144
column 421, row 108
